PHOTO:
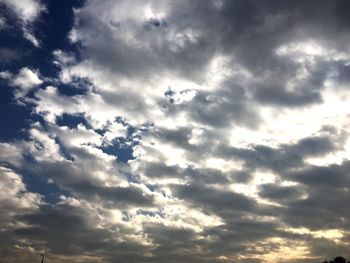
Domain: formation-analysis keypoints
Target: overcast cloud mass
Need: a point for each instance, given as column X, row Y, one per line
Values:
column 174, row 130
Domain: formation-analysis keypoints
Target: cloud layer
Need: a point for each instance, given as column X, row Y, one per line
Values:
column 183, row 131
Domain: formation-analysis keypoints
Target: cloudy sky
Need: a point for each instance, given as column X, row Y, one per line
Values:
column 174, row 130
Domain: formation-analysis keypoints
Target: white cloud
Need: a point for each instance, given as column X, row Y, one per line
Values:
column 115, row 130
column 11, row 153
column 30, row 36
column 14, row 193
column 5, row 75
column 42, row 145
column 15, row 199
column 27, row 10
column 3, row 23
column 63, row 58
column 25, row 80
column 52, row 104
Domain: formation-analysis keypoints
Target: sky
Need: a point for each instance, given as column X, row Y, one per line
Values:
column 174, row 130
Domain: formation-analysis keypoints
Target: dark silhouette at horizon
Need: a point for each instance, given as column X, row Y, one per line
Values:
column 338, row 259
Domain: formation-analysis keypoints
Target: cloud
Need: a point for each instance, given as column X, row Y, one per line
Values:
column 10, row 154
column 234, row 115
column 26, row 11
column 333, row 175
column 15, row 200
column 25, row 80
column 281, row 194
column 2, row 23
column 218, row 201
column 30, row 36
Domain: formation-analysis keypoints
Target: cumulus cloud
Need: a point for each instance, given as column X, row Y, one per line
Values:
column 15, row 199
column 25, row 80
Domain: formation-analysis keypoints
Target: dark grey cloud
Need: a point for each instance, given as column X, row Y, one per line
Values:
column 279, row 96
column 343, row 73
column 208, row 176
column 252, row 31
column 280, row 193
column 229, row 105
column 62, row 223
column 333, row 176
column 214, row 200
column 323, row 207
column 70, row 231
column 115, row 196
column 317, row 212
column 284, row 157
column 172, row 242
column 81, row 184
column 322, row 246
column 264, row 22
